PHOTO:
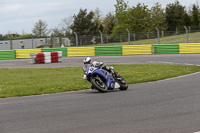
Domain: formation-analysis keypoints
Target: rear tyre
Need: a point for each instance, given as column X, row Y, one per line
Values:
column 122, row 82
column 98, row 84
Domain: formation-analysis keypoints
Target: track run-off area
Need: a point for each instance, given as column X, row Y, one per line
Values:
column 165, row 106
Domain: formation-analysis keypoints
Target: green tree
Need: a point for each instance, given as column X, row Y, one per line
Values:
column 137, row 19
column 109, row 22
column 98, row 20
column 65, row 25
column 23, row 36
column 186, row 19
column 57, row 32
column 83, row 23
column 195, row 14
column 158, row 17
column 121, row 13
column 4, row 37
column 174, row 15
column 1, row 37
column 120, row 7
column 40, row 29
column 141, row 18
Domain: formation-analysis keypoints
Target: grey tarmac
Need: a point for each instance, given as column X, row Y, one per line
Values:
column 166, row 106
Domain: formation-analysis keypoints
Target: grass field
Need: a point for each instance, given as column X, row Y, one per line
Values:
column 24, row 82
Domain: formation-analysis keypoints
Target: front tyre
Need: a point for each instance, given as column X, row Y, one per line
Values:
column 98, row 84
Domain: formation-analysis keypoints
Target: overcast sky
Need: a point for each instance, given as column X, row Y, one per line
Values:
column 17, row 16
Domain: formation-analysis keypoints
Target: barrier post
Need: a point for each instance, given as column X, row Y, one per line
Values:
column 186, row 30
column 128, row 36
column 101, row 37
column 76, row 39
column 32, row 42
column 53, row 41
column 11, row 47
column 158, row 32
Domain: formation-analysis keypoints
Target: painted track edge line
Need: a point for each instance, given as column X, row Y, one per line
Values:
column 182, row 76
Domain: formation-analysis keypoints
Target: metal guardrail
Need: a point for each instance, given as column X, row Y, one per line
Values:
column 108, row 50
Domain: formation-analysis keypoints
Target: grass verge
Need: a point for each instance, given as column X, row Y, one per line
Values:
column 24, row 82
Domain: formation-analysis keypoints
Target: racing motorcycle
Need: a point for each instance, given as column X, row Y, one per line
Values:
column 102, row 80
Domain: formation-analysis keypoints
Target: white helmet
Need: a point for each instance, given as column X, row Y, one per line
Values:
column 87, row 60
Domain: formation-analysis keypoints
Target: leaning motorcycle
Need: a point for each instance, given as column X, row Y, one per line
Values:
column 102, row 80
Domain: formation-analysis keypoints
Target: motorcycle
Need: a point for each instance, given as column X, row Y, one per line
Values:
column 102, row 80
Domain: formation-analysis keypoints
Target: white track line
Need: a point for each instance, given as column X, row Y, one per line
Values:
column 178, row 76
column 165, row 62
column 182, row 76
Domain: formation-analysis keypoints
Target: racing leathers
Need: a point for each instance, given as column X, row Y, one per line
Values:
column 96, row 64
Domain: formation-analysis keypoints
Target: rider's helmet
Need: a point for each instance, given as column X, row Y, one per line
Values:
column 87, row 60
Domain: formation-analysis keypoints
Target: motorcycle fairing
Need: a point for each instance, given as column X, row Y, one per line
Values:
column 106, row 76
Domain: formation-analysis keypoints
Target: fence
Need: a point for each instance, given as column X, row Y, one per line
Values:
column 127, row 38
column 139, row 38
column 130, row 38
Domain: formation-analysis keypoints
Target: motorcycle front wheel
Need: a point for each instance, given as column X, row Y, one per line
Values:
column 98, row 84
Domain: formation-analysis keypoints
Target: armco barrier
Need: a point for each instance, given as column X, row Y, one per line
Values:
column 137, row 49
column 166, row 48
column 64, row 50
column 108, row 50
column 81, row 51
column 189, row 48
column 25, row 53
column 7, row 54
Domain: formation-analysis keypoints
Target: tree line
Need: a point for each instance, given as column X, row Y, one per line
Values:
column 137, row 18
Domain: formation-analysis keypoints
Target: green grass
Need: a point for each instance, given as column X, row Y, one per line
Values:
column 24, row 82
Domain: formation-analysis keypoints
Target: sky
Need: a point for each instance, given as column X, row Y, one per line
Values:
column 20, row 16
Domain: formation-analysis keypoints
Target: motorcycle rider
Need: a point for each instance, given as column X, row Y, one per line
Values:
column 88, row 62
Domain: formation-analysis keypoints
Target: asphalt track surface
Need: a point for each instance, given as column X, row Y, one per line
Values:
column 166, row 106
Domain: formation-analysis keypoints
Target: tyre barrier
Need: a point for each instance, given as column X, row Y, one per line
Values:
column 46, row 57
column 64, row 50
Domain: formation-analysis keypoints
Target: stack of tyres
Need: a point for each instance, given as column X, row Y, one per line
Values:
column 54, row 57
column 40, row 58
column 47, row 57
column 59, row 56
column 33, row 58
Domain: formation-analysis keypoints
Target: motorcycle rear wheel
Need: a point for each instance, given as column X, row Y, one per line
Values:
column 98, row 84
column 123, row 84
